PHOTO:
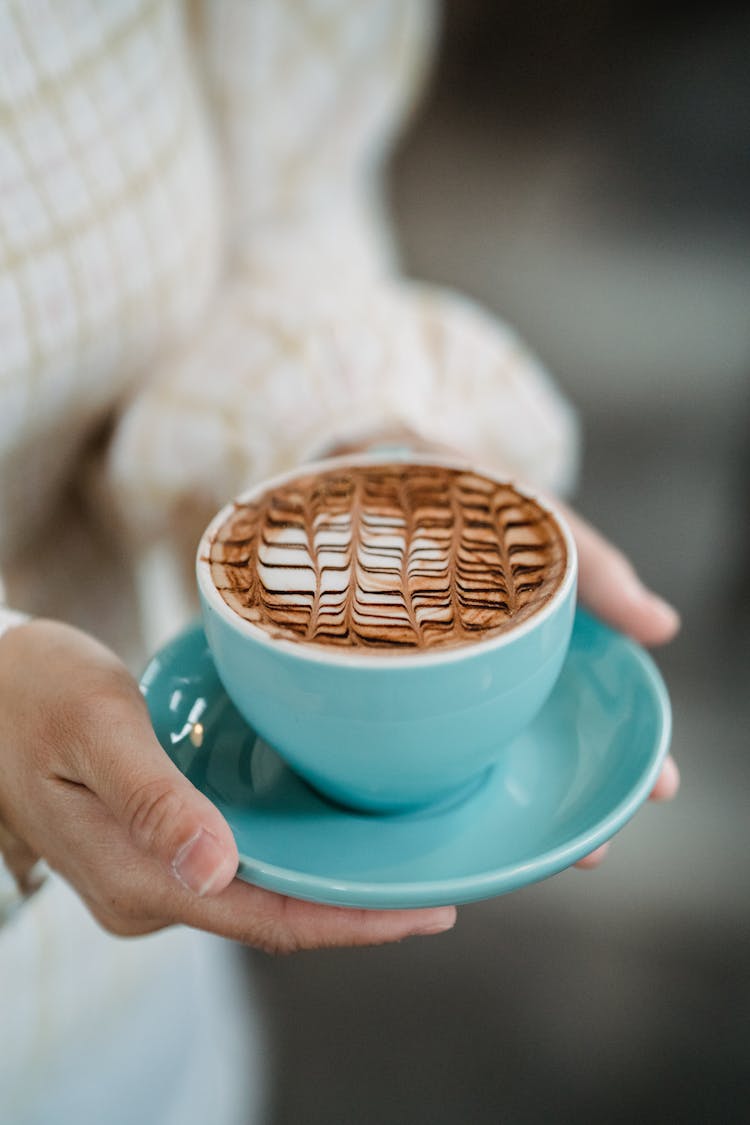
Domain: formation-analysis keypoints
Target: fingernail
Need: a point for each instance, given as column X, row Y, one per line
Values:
column 440, row 921
column 200, row 862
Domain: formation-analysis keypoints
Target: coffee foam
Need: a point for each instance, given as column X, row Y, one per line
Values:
column 388, row 556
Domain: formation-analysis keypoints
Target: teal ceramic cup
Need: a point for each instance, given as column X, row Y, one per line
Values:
column 382, row 731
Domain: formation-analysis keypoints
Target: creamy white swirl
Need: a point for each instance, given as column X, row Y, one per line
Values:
column 388, row 556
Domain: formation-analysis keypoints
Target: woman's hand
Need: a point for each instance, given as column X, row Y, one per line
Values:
column 85, row 785
column 610, row 587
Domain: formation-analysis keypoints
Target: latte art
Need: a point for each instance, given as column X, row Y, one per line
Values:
column 388, row 556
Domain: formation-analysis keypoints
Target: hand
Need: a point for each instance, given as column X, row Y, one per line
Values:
column 610, row 587
column 85, row 784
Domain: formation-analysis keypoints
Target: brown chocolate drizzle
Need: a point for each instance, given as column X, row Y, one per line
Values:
column 394, row 557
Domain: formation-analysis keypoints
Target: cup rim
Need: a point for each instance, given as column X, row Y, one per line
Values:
column 382, row 658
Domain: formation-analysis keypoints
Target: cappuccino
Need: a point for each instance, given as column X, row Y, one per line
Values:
column 387, row 556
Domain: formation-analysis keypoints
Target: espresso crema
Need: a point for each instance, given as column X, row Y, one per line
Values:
column 394, row 557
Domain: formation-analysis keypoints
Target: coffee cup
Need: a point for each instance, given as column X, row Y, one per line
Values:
column 388, row 625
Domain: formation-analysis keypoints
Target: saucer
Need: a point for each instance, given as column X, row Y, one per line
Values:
column 560, row 789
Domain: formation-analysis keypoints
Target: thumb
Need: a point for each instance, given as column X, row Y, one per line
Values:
column 165, row 816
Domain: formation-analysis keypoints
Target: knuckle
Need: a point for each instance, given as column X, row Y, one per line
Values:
column 118, row 926
column 111, row 923
column 152, row 811
column 121, row 916
column 276, row 940
column 115, row 923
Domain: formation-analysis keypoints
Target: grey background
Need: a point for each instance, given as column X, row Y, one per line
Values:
column 584, row 170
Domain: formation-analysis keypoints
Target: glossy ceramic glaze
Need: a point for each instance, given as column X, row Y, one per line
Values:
column 562, row 787
column 383, row 731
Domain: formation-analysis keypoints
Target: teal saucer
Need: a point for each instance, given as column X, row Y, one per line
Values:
column 563, row 787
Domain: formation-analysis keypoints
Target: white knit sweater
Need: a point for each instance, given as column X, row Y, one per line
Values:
column 197, row 289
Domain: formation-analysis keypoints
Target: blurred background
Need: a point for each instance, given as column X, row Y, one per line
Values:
column 584, row 170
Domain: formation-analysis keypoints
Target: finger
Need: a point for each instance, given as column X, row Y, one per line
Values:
column 593, row 859
column 667, row 783
column 610, row 587
column 122, row 762
column 278, row 924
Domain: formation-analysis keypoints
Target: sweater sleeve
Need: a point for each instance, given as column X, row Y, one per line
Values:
column 313, row 340
column 307, row 100
column 273, row 379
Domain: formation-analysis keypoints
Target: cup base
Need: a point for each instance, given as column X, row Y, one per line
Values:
column 412, row 810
